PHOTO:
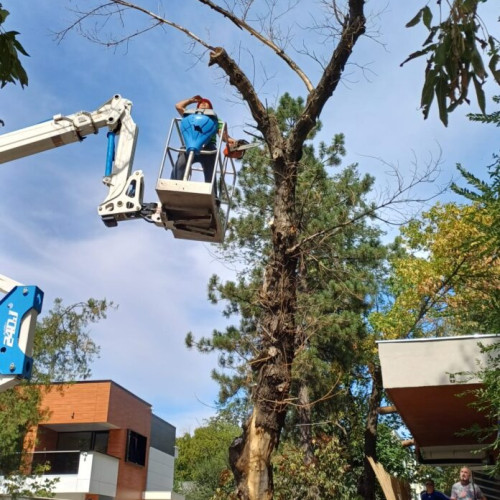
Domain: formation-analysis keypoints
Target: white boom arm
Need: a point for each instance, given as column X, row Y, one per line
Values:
column 21, row 304
column 62, row 130
column 124, row 199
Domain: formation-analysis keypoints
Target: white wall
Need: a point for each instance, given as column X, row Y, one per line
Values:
column 97, row 473
column 432, row 361
column 160, row 471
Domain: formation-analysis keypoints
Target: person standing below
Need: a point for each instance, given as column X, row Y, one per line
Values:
column 431, row 494
column 465, row 489
column 207, row 160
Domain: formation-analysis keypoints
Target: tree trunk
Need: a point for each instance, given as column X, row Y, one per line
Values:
column 304, row 412
column 368, row 481
column 250, row 455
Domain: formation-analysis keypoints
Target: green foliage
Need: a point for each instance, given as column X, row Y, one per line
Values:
column 19, row 410
column 493, row 117
column 63, row 348
column 485, row 194
column 11, row 69
column 400, row 461
column 30, row 485
column 289, row 111
column 397, row 460
column 202, row 467
column 453, row 49
column 325, row 477
column 448, row 280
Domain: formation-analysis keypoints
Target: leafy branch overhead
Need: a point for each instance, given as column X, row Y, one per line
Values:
column 11, row 69
column 454, row 48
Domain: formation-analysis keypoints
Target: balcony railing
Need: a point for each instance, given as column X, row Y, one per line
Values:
column 58, row 462
column 78, row 471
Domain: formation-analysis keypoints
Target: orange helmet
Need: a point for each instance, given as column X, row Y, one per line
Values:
column 206, row 101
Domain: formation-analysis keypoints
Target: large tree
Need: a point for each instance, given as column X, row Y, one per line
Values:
column 331, row 390
column 279, row 334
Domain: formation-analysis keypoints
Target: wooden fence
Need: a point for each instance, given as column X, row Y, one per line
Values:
column 393, row 488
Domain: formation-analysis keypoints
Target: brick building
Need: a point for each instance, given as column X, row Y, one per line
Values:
column 104, row 443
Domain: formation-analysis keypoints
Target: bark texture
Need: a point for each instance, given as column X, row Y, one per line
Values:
column 304, row 413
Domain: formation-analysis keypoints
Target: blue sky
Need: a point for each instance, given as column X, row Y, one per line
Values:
column 53, row 237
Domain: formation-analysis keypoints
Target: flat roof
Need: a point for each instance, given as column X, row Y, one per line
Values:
column 423, row 379
column 439, row 339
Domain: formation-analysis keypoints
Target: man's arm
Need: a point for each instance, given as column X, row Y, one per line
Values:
column 225, row 136
column 181, row 105
column 478, row 493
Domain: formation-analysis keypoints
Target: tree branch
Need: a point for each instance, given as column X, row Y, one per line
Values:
column 370, row 211
column 162, row 20
column 353, row 28
column 266, row 123
column 431, row 300
column 266, row 41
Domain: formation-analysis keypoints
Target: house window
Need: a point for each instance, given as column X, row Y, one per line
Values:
column 100, row 441
column 83, row 441
column 136, row 448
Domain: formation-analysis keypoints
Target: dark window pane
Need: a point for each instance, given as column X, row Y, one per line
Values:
column 136, row 448
column 101, row 441
column 74, row 441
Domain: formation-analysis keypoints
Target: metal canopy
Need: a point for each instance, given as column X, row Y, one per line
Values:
column 421, row 378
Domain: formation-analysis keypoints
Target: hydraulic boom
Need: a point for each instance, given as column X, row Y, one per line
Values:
column 19, row 309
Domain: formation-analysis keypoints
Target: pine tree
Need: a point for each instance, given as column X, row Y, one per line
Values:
column 335, row 283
